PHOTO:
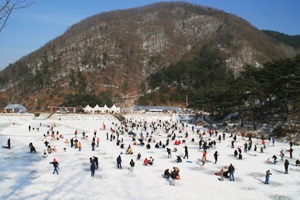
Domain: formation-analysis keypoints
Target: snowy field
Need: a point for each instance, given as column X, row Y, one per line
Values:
column 26, row 175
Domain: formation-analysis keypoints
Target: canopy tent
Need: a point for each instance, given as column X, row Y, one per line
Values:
column 15, row 108
column 88, row 109
column 115, row 109
column 106, row 109
column 97, row 108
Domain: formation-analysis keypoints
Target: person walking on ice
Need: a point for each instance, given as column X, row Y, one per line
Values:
column 55, row 165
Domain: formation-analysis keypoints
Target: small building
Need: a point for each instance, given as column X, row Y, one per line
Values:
column 15, row 108
column 138, row 108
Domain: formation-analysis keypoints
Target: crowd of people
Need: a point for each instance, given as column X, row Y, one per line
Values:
column 132, row 136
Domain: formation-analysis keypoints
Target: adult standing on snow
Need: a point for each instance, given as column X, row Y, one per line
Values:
column 79, row 145
column 55, row 165
column 132, row 163
column 71, row 142
column 8, row 143
column 119, row 161
column 231, row 172
column 291, row 152
column 204, row 157
column 186, row 153
column 93, row 146
column 282, row 154
column 268, row 173
column 216, row 154
column 286, row 166
column 169, row 152
column 93, row 168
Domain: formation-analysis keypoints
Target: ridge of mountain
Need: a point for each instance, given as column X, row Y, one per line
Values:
column 116, row 51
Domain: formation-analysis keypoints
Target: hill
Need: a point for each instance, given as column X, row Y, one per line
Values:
column 114, row 52
column 291, row 40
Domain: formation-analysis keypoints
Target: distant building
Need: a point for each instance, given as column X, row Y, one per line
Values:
column 62, row 110
column 15, row 108
column 137, row 108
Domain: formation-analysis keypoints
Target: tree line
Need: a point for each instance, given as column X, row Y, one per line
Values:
column 269, row 94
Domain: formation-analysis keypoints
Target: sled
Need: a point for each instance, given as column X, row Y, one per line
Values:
column 221, row 179
column 188, row 161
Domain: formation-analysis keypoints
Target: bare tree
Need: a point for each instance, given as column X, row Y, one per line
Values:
column 8, row 7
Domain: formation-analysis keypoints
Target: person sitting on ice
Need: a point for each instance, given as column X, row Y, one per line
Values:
column 269, row 161
column 45, row 153
column 297, row 162
column 67, row 141
column 148, row 146
column 240, row 156
column 167, row 174
column 150, row 161
column 129, row 151
column 54, row 148
column 157, row 145
column 49, row 150
column 146, row 162
column 32, row 148
column 138, row 156
column 275, row 159
column 178, row 160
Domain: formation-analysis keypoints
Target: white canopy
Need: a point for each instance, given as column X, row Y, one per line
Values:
column 115, row 109
column 88, row 109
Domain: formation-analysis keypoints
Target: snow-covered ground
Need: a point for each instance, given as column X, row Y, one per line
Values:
column 25, row 175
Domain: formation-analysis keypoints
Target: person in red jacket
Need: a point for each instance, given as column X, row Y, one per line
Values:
column 204, row 157
column 146, row 161
column 55, row 165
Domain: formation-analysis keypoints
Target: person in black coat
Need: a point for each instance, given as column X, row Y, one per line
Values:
column 167, row 174
column 132, row 164
column 174, row 174
column 286, row 166
column 119, row 161
column 186, row 153
column 93, row 168
column 231, row 172
column 216, row 154
column 8, row 143
column 169, row 152
column 32, row 148
column 179, row 160
column 71, row 142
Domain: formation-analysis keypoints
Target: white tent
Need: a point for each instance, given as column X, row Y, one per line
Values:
column 88, row 109
column 115, row 109
column 98, row 109
column 15, row 108
column 106, row 109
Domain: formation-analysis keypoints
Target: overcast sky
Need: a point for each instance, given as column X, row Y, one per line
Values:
column 29, row 29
